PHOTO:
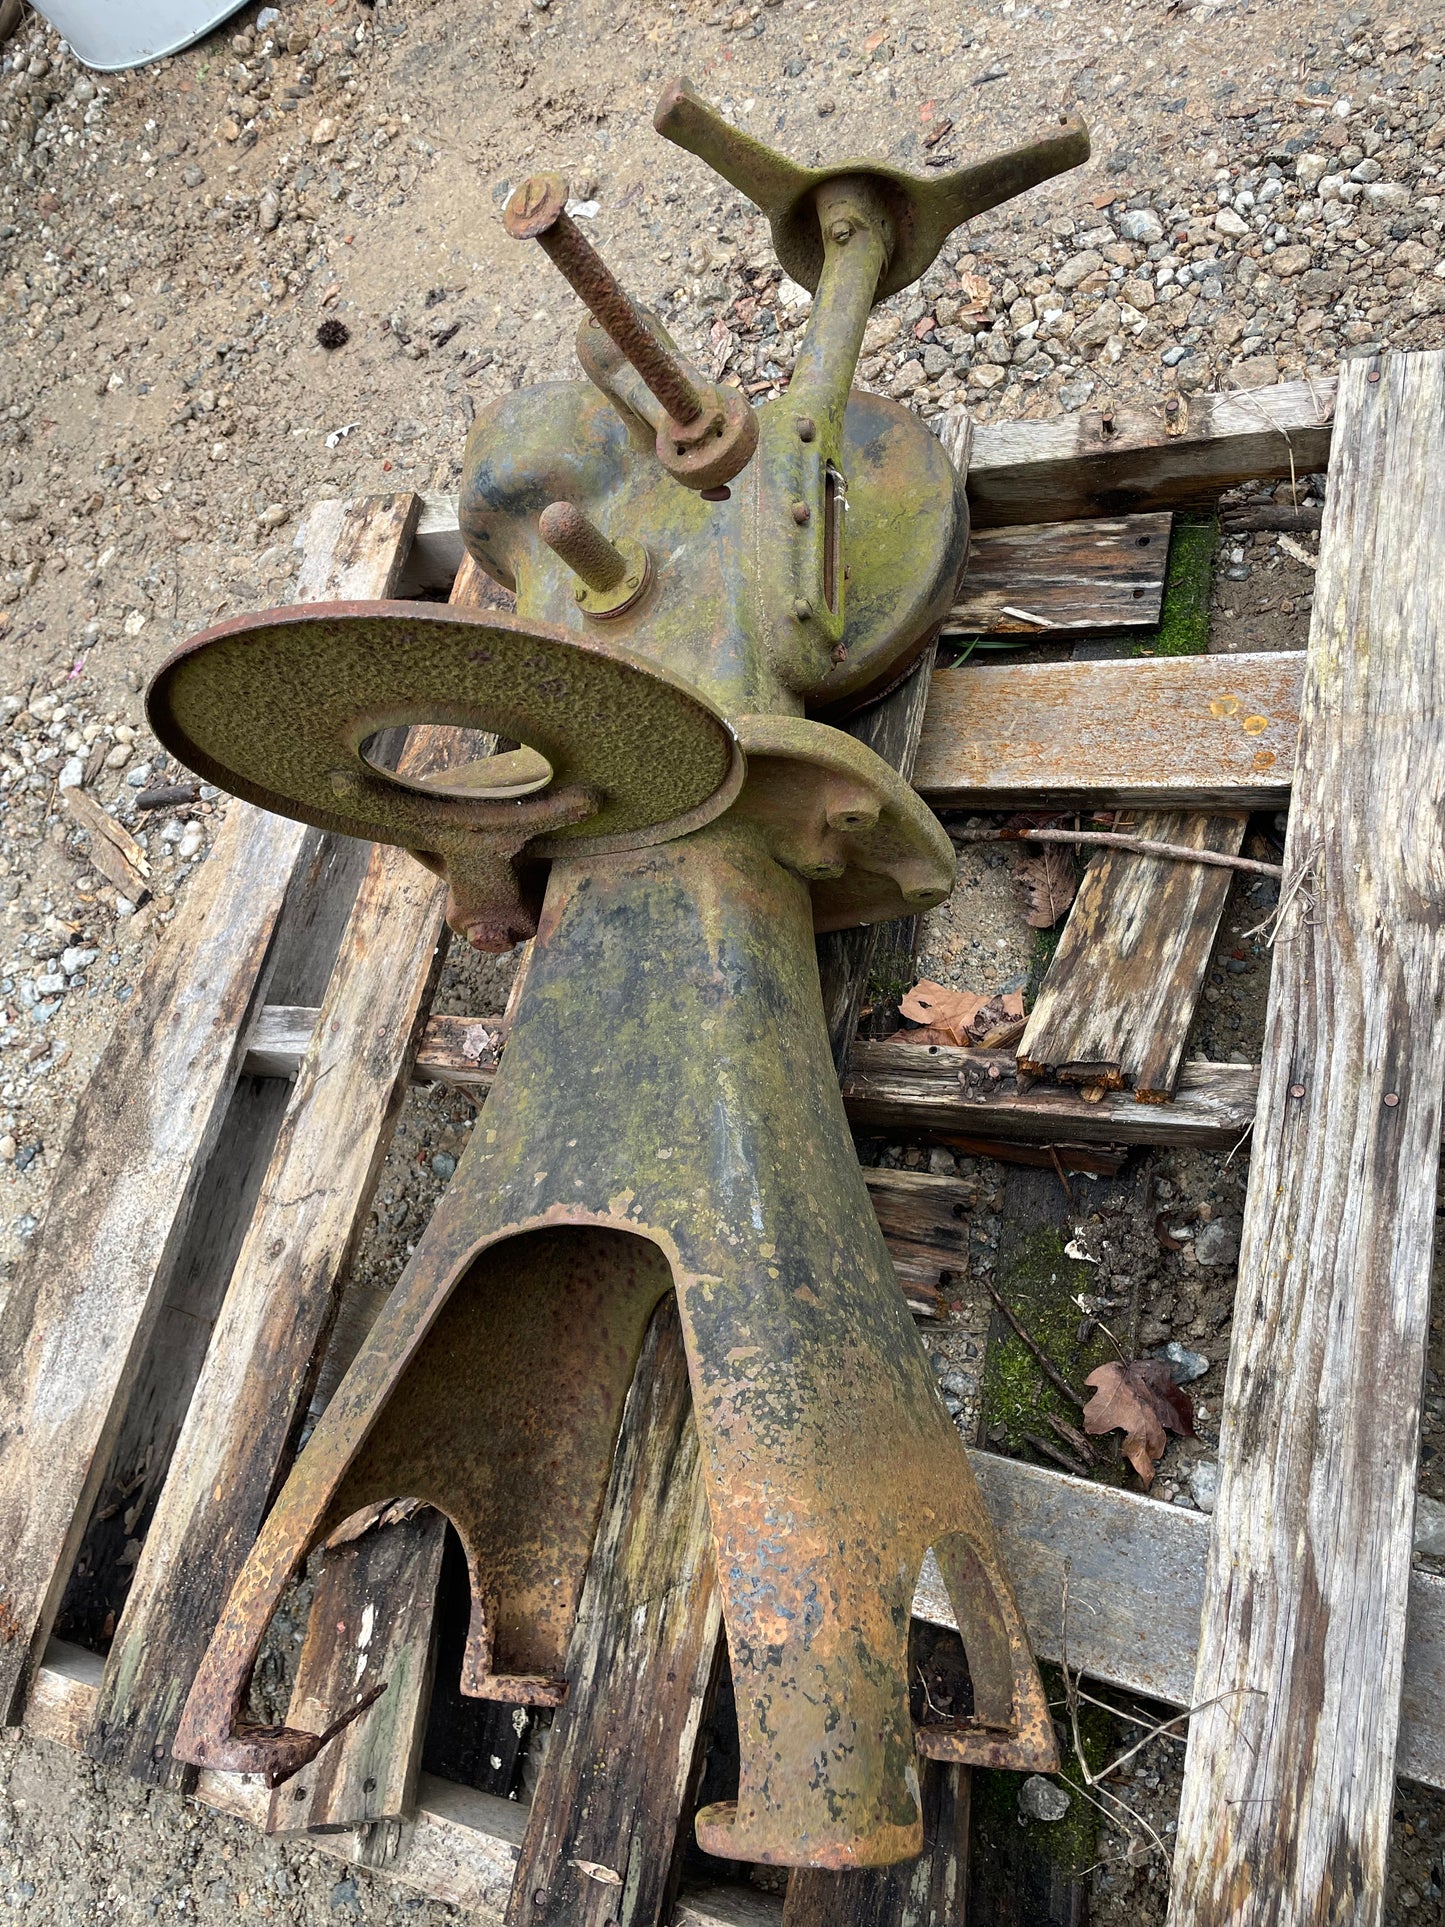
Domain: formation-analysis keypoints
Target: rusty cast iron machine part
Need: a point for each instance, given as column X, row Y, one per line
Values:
column 699, row 583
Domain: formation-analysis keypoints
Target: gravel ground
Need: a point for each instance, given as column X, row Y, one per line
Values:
column 1264, row 199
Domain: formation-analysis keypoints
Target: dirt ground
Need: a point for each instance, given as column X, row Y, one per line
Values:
column 1264, row 198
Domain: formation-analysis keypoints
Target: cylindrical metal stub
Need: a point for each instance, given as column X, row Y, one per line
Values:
column 611, row 576
column 582, row 546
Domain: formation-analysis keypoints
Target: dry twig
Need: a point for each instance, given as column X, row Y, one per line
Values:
column 1115, row 840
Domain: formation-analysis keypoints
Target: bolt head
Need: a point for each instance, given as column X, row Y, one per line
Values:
column 802, row 608
column 580, row 593
column 802, row 514
column 807, row 428
column 632, row 581
column 841, row 232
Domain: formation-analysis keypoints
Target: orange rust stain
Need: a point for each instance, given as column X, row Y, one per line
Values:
column 1255, row 725
column 1224, row 706
column 1264, row 759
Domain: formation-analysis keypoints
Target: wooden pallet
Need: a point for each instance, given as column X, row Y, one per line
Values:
column 176, row 1303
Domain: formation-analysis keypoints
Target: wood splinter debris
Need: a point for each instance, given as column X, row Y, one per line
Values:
column 113, row 850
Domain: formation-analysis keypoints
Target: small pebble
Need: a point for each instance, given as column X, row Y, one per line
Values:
column 1184, row 1366
column 443, row 1164
column 1204, row 1483
column 1041, row 1799
column 1217, row 1244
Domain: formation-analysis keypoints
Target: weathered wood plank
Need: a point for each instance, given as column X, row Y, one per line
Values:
column 77, row 1321
column 1105, row 573
column 370, row 1625
column 887, row 1087
column 923, row 1218
column 77, row 1324
column 1118, row 998
column 1289, row 1775
column 323, row 885
column 278, row 1306
column 1166, row 732
column 1130, row 459
column 903, row 1087
column 602, row 1834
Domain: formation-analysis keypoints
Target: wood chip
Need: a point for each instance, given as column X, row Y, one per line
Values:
column 113, row 850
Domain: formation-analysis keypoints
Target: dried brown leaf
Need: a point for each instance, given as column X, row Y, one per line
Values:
column 961, row 1019
column 1141, row 1400
column 947, row 1011
column 1048, row 879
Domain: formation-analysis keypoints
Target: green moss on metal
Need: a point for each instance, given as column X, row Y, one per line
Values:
column 1184, row 619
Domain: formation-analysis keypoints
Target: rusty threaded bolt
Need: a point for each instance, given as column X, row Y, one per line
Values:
column 582, row 546
column 537, row 211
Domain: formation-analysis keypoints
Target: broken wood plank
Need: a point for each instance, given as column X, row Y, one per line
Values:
column 1117, row 1001
column 1105, row 573
column 1124, row 460
column 113, row 850
column 1289, row 1773
column 370, row 1625
column 908, row 1087
column 923, row 1218
column 1166, row 732
column 278, row 1307
column 601, row 1838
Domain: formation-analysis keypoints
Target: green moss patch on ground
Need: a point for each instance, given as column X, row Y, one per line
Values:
column 1040, row 1284
column 1184, row 619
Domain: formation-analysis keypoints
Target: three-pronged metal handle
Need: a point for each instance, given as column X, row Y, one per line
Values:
column 923, row 212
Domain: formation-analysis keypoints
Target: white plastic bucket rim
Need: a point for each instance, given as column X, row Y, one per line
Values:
column 110, row 35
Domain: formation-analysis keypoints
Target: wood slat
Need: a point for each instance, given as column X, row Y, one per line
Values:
column 905, row 1087
column 1289, row 1776
column 1104, row 573
column 278, row 1307
column 602, row 1835
column 1132, row 459
column 924, row 1221
column 370, row 1625
column 1168, row 732
column 76, row 1325
column 887, row 1087
column 1117, row 1001
column 323, row 885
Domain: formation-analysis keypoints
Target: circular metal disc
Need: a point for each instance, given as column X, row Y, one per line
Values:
column 277, row 707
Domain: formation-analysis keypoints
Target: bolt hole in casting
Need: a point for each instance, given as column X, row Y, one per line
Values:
column 703, row 588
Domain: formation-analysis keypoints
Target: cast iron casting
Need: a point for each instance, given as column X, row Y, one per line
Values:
column 698, row 584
